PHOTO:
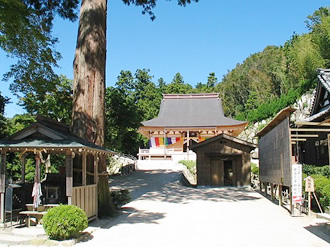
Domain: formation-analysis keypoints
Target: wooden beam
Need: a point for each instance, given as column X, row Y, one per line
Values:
column 304, row 135
column 309, row 130
column 298, row 139
column 312, row 124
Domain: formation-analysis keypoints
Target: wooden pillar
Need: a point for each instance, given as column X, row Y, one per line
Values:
column 188, row 140
column 271, row 192
column 96, row 178
column 280, row 203
column 37, row 170
column 260, row 186
column 83, row 167
column 164, row 143
column 3, row 184
column 23, row 160
column 309, row 203
column 69, row 176
column 291, row 202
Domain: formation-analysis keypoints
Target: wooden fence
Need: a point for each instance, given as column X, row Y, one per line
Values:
column 85, row 197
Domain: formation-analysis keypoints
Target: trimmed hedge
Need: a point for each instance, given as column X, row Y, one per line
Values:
column 64, row 222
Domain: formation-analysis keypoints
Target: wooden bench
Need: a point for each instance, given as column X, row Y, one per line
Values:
column 35, row 214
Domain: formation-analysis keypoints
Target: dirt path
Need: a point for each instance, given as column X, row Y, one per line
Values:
column 165, row 213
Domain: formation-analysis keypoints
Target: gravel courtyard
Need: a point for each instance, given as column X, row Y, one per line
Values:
column 165, row 213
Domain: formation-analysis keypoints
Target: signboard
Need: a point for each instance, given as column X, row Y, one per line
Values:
column 309, row 184
column 296, row 183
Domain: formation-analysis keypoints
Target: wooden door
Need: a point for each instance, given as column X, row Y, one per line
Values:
column 216, row 172
column 228, row 173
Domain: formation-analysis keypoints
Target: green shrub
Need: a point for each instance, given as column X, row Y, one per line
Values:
column 322, row 189
column 120, row 197
column 191, row 165
column 316, row 170
column 254, row 169
column 64, row 222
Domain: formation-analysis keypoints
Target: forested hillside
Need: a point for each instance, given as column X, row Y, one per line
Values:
column 254, row 90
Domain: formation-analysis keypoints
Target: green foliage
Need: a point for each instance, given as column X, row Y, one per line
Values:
column 191, row 165
column 254, row 169
column 19, row 122
column 178, row 86
column 269, row 109
column 322, row 190
column 3, row 121
column 55, row 104
column 120, row 197
column 148, row 5
column 26, row 35
column 310, row 170
column 64, row 222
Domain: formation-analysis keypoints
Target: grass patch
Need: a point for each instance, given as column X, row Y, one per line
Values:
column 191, row 165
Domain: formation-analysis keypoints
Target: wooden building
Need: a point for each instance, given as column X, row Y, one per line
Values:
column 80, row 173
column 275, row 142
column 223, row 161
column 315, row 150
column 184, row 119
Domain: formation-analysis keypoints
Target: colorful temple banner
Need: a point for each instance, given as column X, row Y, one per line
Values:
column 159, row 141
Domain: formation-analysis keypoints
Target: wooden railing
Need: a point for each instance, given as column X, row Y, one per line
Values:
column 85, row 197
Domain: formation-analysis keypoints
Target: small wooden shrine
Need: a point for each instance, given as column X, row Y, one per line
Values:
column 223, row 161
column 184, row 119
column 75, row 185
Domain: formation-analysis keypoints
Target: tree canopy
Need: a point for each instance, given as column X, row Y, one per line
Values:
column 25, row 34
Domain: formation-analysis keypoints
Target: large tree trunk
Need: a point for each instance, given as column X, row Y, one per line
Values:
column 88, row 115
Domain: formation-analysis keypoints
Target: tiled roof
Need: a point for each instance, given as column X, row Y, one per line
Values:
column 324, row 80
column 191, row 110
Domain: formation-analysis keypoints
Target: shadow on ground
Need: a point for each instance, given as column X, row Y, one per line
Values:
column 319, row 230
column 162, row 185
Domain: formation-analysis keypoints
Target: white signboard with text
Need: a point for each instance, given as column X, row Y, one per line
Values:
column 296, row 183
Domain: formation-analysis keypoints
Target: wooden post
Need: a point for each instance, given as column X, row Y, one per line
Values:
column 260, row 186
column 291, row 202
column 265, row 184
column 188, row 140
column 3, row 184
column 96, row 178
column 69, row 176
column 329, row 148
column 37, row 170
column 280, row 203
column 309, row 203
column 271, row 191
column 23, row 160
column 164, row 143
column 83, row 167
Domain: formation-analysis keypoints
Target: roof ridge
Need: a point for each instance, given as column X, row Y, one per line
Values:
column 192, row 95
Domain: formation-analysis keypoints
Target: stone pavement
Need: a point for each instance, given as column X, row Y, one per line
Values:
column 165, row 213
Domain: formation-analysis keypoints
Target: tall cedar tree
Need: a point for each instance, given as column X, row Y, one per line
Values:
column 88, row 116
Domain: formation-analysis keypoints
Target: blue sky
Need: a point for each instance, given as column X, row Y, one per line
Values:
column 204, row 37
